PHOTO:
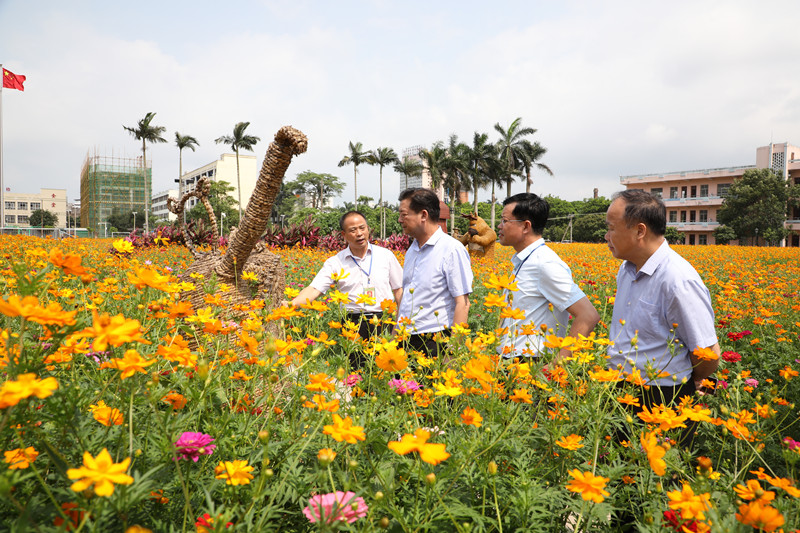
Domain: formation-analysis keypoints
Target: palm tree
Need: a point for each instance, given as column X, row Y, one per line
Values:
column 147, row 132
column 357, row 156
column 183, row 141
column 239, row 141
column 533, row 151
column 481, row 155
column 382, row 157
column 409, row 168
column 455, row 170
column 512, row 149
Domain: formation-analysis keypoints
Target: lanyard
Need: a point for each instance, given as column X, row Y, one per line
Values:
column 526, row 258
column 371, row 256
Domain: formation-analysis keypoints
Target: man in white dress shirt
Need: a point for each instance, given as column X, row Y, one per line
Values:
column 546, row 291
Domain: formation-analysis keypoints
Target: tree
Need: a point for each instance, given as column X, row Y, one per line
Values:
column 239, row 141
column 408, row 167
column 756, row 206
column 124, row 220
column 533, row 152
column 42, row 218
column 319, row 187
column 673, row 236
column 455, row 173
column 482, row 155
column 357, row 156
column 724, row 235
column 382, row 157
column 148, row 133
column 184, row 141
column 513, row 150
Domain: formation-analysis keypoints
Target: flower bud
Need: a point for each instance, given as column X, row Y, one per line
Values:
column 269, row 473
column 353, row 464
column 384, row 523
column 430, row 479
column 492, row 468
column 263, row 436
column 202, row 370
column 378, row 496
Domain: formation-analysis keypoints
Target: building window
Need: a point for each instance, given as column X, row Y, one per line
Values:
column 722, row 189
column 657, row 191
column 702, row 239
column 692, row 216
column 673, row 192
column 673, row 216
column 691, row 239
column 703, row 215
column 693, row 191
column 704, row 191
column 683, row 216
column 10, row 219
column 683, row 192
column 35, row 206
column 11, row 206
column 22, row 206
column 22, row 219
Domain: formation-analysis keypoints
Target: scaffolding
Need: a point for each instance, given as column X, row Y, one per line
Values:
column 112, row 184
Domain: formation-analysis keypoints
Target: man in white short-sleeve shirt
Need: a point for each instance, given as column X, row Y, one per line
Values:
column 437, row 272
column 546, row 292
column 361, row 270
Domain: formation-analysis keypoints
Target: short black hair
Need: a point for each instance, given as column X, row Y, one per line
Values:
column 422, row 199
column 641, row 206
column 348, row 214
column 530, row 207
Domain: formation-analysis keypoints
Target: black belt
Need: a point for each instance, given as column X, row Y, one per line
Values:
column 364, row 315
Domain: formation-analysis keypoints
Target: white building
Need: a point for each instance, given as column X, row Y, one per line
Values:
column 19, row 206
column 158, row 205
column 223, row 169
column 423, row 180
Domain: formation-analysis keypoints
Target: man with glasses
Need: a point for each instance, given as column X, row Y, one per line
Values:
column 437, row 273
column 546, row 293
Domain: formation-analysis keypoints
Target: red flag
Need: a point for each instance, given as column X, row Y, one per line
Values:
column 13, row 81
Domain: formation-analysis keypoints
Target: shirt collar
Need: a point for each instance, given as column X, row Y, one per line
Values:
column 652, row 263
column 433, row 238
column 349, row 252
column 528, row 250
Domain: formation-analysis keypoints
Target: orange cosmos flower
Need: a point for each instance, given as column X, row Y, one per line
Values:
column 691, row 505
column 29, row 309
column 388, row 306
column 115, row 331
column 494, row 300
column 471, row 417
column 705, row 354
column 105, row 414
column 760, row 516
column 503, row 282
column 788, row 373
column 70, row 263
column 326, row 456
column 392, row 360
column 148, row 277
column 130, row 364
column 514, row 314
column 20, row 459
column 25, row 386
column 570, row 442
column 785, row 484
column 241, row 375
column 320, row 383
column 250, row 344
column 589, row 486
column 418, row 442
column 664, row 416
column 655, row 453
column 604, row 375
column 628, row 400
column 521, row 396
column 554, row 341
column 180, row 309
column 344, row 430
column 177, row 401
column 753, row 491
column 319, row 403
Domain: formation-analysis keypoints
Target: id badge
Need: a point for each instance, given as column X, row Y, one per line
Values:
column 369, row 291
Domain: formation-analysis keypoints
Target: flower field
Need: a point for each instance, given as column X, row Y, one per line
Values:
column 124, row 409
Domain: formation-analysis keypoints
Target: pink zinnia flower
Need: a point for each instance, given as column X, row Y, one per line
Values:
column 335, row 506
column 352, row 379
column 401, row 386
column 722, row 384
column 192, row 445
column 751, row 382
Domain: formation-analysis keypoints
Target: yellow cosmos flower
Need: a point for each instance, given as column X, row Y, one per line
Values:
column 589, row 486
column 503, row 282
column 122, row 246
column 25, row 386
column 101, row 472
column 234, row 472
column 250, row 276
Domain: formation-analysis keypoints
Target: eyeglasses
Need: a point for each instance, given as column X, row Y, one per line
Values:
column 503, row 221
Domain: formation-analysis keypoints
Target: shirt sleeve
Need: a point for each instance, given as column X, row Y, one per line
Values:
column 322, row 281
column 458, row 272
column 557, row 286
column 689, row 306
column 395, row 272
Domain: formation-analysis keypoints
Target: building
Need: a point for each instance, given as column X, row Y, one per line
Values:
column 112, row 184
column 693, row 197
column 424, row 180
column 223, row 169
column 19, row 206
column 158, row 206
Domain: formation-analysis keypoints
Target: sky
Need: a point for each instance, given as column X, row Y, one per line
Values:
column 613, row 88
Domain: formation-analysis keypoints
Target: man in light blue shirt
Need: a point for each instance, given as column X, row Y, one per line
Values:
column 437, row 273
column 546, row 292
column 662, row 309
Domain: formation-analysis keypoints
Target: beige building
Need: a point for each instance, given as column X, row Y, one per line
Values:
column 158, row 205
column 223, row 169
column 19, row 206
column 693, row 197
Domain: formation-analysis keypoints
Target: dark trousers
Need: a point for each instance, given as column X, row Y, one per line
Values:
column 424, row 343
column 366, row 330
